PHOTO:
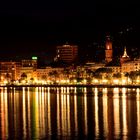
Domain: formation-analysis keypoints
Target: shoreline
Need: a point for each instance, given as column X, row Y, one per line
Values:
column 83, row 85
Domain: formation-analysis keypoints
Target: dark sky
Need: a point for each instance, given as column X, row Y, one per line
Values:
column 33, row 27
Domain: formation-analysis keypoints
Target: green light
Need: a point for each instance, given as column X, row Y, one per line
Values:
column 34, row 58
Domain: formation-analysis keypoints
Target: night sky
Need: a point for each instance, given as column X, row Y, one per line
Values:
column 36, row 27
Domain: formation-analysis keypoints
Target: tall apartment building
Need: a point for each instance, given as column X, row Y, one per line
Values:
column 30, row 62
column 67, row 53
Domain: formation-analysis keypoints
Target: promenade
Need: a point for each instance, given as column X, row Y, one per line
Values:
column 75, row 85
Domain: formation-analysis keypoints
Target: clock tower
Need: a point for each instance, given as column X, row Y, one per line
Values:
column 108, row 50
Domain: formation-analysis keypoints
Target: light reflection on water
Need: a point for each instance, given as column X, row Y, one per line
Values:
column 100, row 113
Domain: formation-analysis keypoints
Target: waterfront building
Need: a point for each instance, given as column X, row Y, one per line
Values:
column 10, row 70
column 67, row 53
column 42, row 74
column 130, row 66
column 28, row 68
column 136, row 63
column 49, row 73
column 28, row 71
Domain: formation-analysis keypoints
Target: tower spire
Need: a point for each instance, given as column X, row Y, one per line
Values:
column 125, row 57
column 125, row 53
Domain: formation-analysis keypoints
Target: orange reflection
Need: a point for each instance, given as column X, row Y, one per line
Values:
column 16, row 103
column 36, row 113
column 49, row 111
column 30, row 112
column 24, row 111
column 138, row 112
column 124, row 117
column 105, row 114
column 63, row 114
column 58, row 115
column 85, row 114
column 96, row 113
column 42, row 112
column 116, row 112
column 75, row 115
column 4, row 113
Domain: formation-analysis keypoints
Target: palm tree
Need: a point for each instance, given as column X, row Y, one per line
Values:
column 8, row 77
column 117, row 75
column 89, row 73
column 23, row 76
column 32, row 80
column 97, row 75
column 133, row 76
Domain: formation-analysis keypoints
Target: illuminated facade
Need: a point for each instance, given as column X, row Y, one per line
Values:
column 28, row 67
column 10, row 70
column 130, row 66
column 108, row 50
column 28, row 71
column 49, row 73
column 67, row 53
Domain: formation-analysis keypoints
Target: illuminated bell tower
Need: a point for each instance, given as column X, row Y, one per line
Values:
column 108, row 50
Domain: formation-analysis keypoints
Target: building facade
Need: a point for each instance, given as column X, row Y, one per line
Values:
column 10, row 70
column 67, row 53
column 130, row 66
column 29, row 63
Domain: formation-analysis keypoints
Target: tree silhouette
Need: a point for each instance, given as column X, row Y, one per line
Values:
column 23, row 76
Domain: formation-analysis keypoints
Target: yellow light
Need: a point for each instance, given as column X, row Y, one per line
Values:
column 5, row 81
column 43, row 82
column 95, row 81
column 62, row 81
column 48, row 81
column 138, row 90
column 116, row 90
column 104, row 80
column 36, row 81
column 68, row 81
column 104, row 90
column 23, row 81
column 124, row 90
column 84, row 81
column 2, row 77
column 123, row 81
column 115, row 81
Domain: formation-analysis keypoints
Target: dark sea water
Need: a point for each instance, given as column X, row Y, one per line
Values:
column 69, row 113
